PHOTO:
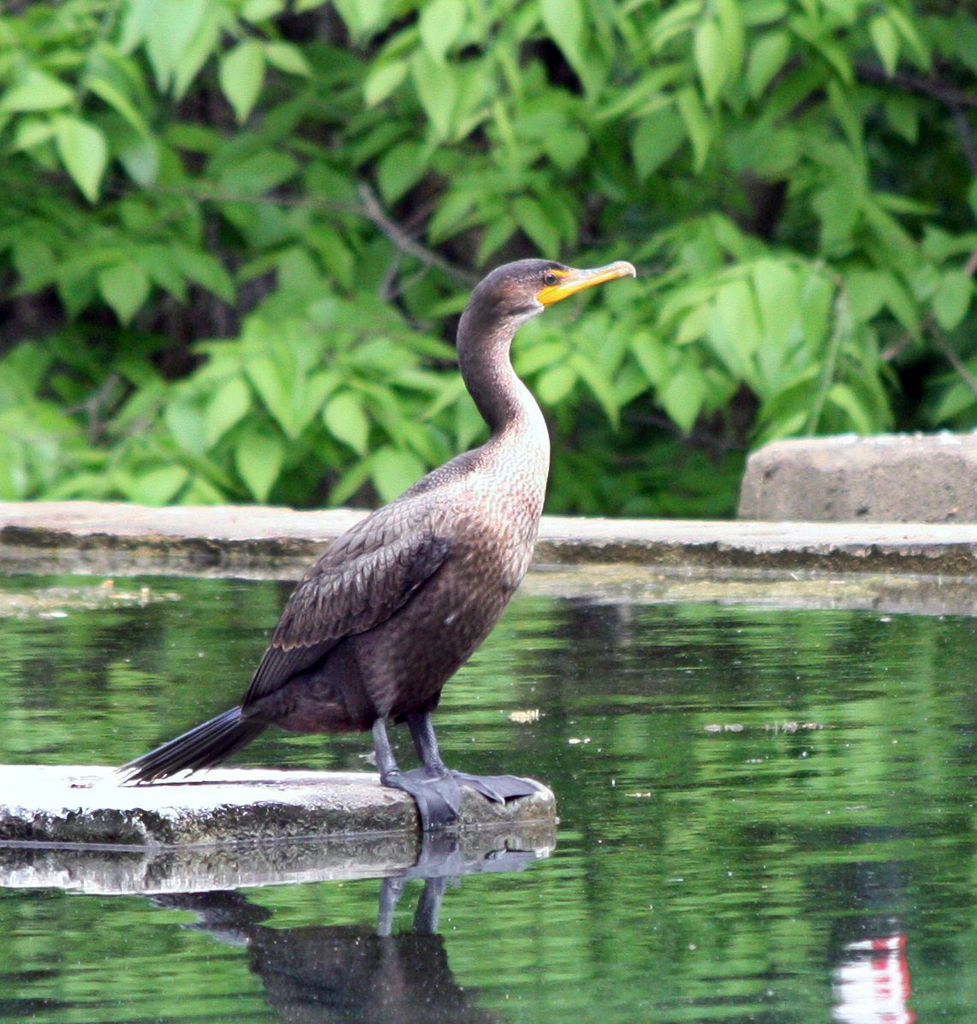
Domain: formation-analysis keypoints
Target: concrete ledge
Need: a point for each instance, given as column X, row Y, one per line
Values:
column 261, row 542
column 905, row 478
column 54, row 804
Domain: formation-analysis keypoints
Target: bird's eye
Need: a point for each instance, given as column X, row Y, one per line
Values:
column 549, row 278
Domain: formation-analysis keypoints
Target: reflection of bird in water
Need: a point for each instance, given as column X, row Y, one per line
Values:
column 397, row 604
column 344, row 973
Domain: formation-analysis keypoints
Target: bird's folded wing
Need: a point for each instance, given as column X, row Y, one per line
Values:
column 358, row 583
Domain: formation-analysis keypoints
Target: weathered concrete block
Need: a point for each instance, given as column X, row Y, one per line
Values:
column 90, row 804
column 899, row 478
column 205, row 867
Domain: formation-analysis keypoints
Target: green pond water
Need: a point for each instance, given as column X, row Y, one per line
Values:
column 766, row 815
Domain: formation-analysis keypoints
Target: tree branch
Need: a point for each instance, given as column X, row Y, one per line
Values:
column 947, row 94
column 375, row 213
column 370, row 208
column 929, row 326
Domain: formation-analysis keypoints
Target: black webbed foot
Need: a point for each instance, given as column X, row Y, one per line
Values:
column 498, row 787
column 435, row 788
column 437, row 795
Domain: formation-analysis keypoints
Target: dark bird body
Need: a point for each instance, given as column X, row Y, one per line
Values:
column 397, row 604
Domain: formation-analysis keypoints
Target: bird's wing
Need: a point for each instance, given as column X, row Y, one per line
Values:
column 366, row 576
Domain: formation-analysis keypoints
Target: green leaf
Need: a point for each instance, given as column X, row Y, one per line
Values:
column 230, row 403
column 730, row 14
column 393, row 471
column 815, row 33
column 952, row 299
column 531, row 358
column 347, row 422
column 844, row 398
column 815, row 309
column 203, row 269
column 498, row 232
column 710, row 60
column 401, row 167
column 956, row 399
column 656, row 140
column 382, row 80
column 135, row 24
column 14, row 475
column 262, row 10
column 170, row 29
column 903, row 112
column 286, row 57
column 564, row 21
column 437, row 89
column 840, row 100
column 533, row 220
column 83, row 152
column 734, row 332
column 653, row 356
column 203, row 44
column 599, row 384
column 185, row 421
column 34, row 261
column 258, row 459
column 140, row 156
column 362, row 16
column 158, row 486
column 31, row 132
column 264, row 375
column 905, row 27
column 125, row 287
column 837, row 205
column 682, row 397
column 441, row 23
column 242, row 73
column 901, row 304
column 866, row 291
column 777, row 288
column 567, row 147
column 767, row 57
column 37, row 91
column 259, row 173
column 885, row 39
column 118, row 101
column 675, row 19
column 696, row 124
column 556, row 383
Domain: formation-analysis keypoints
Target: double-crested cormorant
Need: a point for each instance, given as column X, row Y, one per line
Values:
column 394, row 606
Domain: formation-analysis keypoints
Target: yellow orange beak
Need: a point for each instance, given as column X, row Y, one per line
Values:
column 572, row 281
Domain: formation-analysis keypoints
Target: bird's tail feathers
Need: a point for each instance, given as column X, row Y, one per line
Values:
column 204, row 746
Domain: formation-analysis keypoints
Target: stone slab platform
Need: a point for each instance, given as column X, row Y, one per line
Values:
column 91, row 804
column 919, row 478
column 115, row 538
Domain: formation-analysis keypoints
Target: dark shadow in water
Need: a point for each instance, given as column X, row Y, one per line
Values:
column 347, row 973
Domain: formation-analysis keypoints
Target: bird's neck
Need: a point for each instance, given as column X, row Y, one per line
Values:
column 505, row 403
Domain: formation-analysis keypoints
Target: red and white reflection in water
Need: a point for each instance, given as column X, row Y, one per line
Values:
column 870, row 983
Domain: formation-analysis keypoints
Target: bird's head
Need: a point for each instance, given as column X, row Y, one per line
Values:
column 517, row 291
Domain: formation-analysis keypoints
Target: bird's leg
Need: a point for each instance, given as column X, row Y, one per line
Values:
column 434, row 788
column 429, row 907
column 494, row 787
column 426, row 743
column 390, row 891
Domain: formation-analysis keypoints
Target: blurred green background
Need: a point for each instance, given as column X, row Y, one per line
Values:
column 236, row 235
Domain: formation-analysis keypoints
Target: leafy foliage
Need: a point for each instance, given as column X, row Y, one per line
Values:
column 318, row 184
